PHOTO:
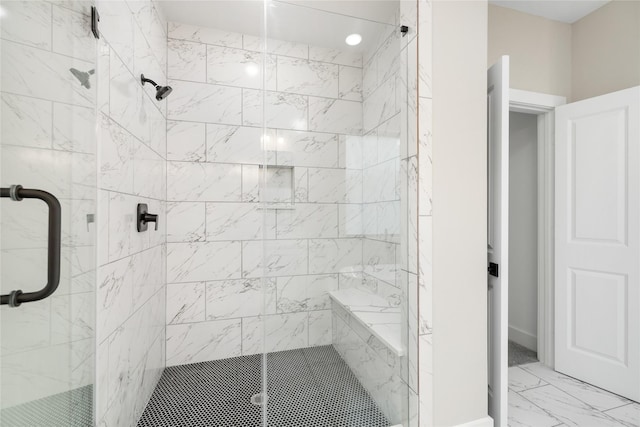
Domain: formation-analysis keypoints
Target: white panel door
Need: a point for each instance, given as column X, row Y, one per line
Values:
column 498, row 236
column 597, row 243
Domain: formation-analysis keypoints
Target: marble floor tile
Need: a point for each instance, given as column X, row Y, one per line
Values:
column 524, row 413
column 592, row 396
column 629, row 415
column 521, row 380
column 567, row 409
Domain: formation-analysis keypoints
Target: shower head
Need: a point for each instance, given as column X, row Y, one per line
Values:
column 161, row 91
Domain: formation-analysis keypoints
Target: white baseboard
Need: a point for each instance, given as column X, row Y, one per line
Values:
column 482, row 422
column 523, row 338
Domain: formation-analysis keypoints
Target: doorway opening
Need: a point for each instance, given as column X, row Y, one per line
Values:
column 523, row 238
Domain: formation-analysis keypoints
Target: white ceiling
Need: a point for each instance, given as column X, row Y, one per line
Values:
column 315, row 22
column 568, row 11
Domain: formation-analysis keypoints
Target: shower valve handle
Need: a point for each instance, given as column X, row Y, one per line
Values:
column 151, row 218
column 144, row 217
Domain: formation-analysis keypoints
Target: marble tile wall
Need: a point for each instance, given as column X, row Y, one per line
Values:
column 47, row 142
column 220, row 288
column 131, row 282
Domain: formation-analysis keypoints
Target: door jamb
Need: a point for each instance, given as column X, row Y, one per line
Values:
column 543, row 105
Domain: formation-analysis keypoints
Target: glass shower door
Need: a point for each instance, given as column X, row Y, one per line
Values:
column 336, row 202
column 47, row 146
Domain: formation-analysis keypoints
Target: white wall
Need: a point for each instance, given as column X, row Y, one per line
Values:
column 459, row 211
column 539, row 50
column 606, row 50
column 523, row 228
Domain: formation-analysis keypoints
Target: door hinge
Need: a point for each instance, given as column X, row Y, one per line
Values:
column 95, row 18
column 493, row 269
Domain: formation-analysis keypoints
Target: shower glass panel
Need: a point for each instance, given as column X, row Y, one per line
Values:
column 335, row 205
column 47, row 142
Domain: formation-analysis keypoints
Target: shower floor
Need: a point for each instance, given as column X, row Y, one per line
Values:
column 311, row 387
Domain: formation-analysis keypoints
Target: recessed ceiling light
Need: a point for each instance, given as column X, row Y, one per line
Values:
column 353, row 39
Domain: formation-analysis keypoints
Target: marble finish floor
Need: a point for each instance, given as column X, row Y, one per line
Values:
column 541, row 397
column 311, row 387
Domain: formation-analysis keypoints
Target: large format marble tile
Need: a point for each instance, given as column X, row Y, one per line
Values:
column 523, row 413
column 115, row 296
column 201, row 102
column 335, row 185
column 72, row 317
column 228, row 299
column 73, row 128
column 200, row 342
column 350, row 83
column 186, row 141
column 69, row 34
column 335, row 115
column 629, row 415
column 202, row 261
column 234, row 144
column 187, row 60
column 334, row 255
column 379, row 106
column 241, row 68
column 27, row 22
column 239, row 221
column 305, row 293
column 185, row 303
column 204, row 35
column 278, row 47
column 307, row 220
column 282, row 110
column 307, row 77
column 203, row 182
column 26, row 122
column 281, row 332
column 319, row 328
column 592, row 396
column 521, row 380
column 281, row 258
column 42, row 74
column 308, row 149
column 567, row 408
column 335, row 56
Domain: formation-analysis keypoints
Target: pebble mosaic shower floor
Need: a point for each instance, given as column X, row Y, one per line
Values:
column 311, row 387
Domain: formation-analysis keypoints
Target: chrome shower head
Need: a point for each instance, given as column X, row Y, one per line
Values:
column 161, row 91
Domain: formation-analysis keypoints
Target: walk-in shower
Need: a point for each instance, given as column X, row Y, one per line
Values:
column 277, row 285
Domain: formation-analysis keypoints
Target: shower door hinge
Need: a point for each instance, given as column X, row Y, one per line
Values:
column 404, row 30
column 95, row 18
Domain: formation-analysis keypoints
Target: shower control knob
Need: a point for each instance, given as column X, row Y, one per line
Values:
column 144, row 217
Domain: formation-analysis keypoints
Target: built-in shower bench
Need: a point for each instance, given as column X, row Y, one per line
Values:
column 370, row 315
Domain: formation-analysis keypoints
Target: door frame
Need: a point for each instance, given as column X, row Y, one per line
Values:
column 543, row 106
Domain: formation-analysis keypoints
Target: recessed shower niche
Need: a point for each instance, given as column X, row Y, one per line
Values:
column 279, row 187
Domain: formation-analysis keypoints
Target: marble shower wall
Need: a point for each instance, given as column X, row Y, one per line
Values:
column 47, row 142
column 312, row 221
column 132, row 170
